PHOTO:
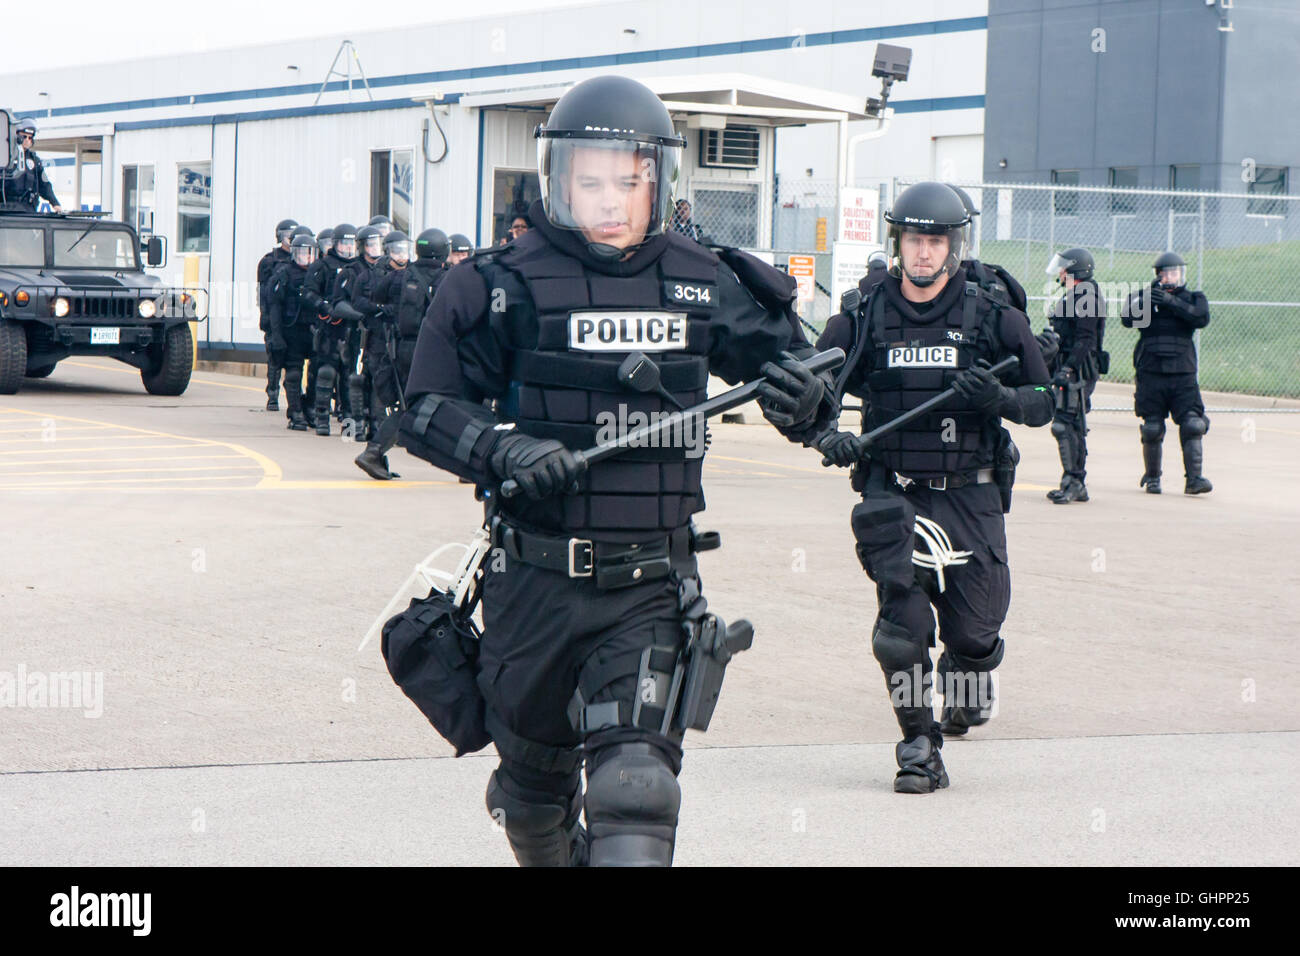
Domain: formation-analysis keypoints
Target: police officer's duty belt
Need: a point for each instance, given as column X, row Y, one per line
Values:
column 983, row 476
column 612, row 565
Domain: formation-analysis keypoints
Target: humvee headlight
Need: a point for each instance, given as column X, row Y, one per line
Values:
column 147, row 308
column 61, row 307
column 22, row 297
column 4, row 299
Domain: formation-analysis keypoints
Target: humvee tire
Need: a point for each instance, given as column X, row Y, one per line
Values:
column 13, row 356
column 171, row 375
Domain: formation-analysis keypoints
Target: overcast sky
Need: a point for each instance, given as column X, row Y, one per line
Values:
column 98, row 31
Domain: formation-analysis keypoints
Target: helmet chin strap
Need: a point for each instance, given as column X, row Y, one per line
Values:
column 923, row 281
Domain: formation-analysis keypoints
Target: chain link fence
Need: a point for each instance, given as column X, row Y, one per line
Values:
column 1242, row 250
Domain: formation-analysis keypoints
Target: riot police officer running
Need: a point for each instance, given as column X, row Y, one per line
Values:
column 266, row 266
column 291, row 322
column 1167, row 315
column 944, row 479
column 1079, row 320
column 585, row 619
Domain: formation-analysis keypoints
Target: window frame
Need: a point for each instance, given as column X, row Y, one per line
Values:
column 1073, row 196
column 180, row 232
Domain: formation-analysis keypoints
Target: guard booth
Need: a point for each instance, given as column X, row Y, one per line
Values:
column 729, row 121
column 79, row 162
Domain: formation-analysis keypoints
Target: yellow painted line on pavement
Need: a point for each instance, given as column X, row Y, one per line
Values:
column 122, row 471
column 355, row 483
column 103, row 461
column 271, row 473
column 193, row 381
column 66, row 428
column 40, row 486
column 51, row 441
column 64, row 451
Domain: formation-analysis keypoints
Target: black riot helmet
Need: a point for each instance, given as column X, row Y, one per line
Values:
column 325, row 240
column 26, row 127
column 382, row 223
column 1171, row 271
column 303, row 249
column 301, row 231
column 460, row 243
column 931, row 209
column 284, row 229
column 370, row 242
column 397, row 247
column 607, row 160
column 966, row 201
column 1077, row 263
column 345, row 241
column 432, row 244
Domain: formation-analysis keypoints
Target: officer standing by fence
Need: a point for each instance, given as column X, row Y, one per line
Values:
column 1167, row 315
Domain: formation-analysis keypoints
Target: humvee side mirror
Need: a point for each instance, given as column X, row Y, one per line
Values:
column 156, row 251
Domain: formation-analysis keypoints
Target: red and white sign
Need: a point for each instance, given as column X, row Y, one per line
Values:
column 859, row 215
column 804, row 270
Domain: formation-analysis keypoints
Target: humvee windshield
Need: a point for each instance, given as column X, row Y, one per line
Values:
column 102, row 247
column 22, row 246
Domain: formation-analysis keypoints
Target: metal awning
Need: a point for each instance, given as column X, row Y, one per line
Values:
column 758, row 99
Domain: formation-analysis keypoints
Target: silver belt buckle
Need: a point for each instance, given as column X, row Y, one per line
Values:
column 581, row 565
column 942, row 483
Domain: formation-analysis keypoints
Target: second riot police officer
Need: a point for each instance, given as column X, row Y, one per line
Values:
column 1167, row 315
column 291, row 321
column 266, row 266
column 586, row 620
column 944, row 478
column 1079, row 320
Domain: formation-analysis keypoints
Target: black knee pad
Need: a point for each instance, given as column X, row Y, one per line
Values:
column 951, row 660
column 632, row 804
column 1193, row 426
column 540, row 826
column 1060, row 429
column 895, row 647
column 1152, row 431
column 325, row 376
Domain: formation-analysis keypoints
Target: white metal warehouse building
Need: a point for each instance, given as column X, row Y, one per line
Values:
column 211, row 150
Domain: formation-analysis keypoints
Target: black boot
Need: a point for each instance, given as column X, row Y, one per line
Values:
column 293, row 391
column 374, row 463
column 1197, row 484
column 921, row 768
column 1151, row 458
column 272, row 386
column 1072, row 489
column 967, row 686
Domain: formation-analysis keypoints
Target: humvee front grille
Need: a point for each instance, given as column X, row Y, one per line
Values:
column 101, row 307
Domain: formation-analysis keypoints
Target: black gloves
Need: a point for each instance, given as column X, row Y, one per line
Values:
column 838, row 448
column 1159, row 296
column 1049, row 343
column 1064, row 377
column 542, row 466
column 790, row 393
column 979, row 387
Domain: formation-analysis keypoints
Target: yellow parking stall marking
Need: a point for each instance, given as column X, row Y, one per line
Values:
column 41, row 486
column 121, row 471
column 51, row 441
column 67, row 428
column 62, row 451
column 193, row 381
column 354, row 483
column 102, row 461
column 271, row 473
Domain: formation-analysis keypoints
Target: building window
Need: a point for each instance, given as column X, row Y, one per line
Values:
column 1269, row 181
column 513, row 191
column 193, row 206
column 1123, row 177
column 728, row 216
column 138, row 198
column 1066, row 203
column 392, row 186
column 1185, row 177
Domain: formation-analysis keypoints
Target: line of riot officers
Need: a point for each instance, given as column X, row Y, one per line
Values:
column 347, row 304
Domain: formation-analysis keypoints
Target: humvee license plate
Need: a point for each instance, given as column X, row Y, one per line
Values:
column 105, row 336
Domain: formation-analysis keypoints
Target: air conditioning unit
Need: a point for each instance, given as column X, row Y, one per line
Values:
column 735, row 147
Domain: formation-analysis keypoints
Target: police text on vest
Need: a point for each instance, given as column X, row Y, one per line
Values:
column 923, row 356
column 627, row 331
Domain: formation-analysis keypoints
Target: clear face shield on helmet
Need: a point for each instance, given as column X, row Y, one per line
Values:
column 285, row 235
column 615, row 192
column 399, row 251
column 924, row 253
column 346, row 248
column 374, row 246
column 1058, row 263
column 1172, row 277
column 384, row 229
column 326, row 245
column 304, row 255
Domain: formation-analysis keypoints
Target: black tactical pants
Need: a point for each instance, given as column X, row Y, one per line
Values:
column 1159, row 394
column 1070, row 426
column 544, row 632
column 970, row 610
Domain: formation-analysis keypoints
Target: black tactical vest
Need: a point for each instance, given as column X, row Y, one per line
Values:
column 289, row 292
column 1166, row 344
column 1065, row 314
column 570, row 327
column 913, row 362
column 416, row 290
